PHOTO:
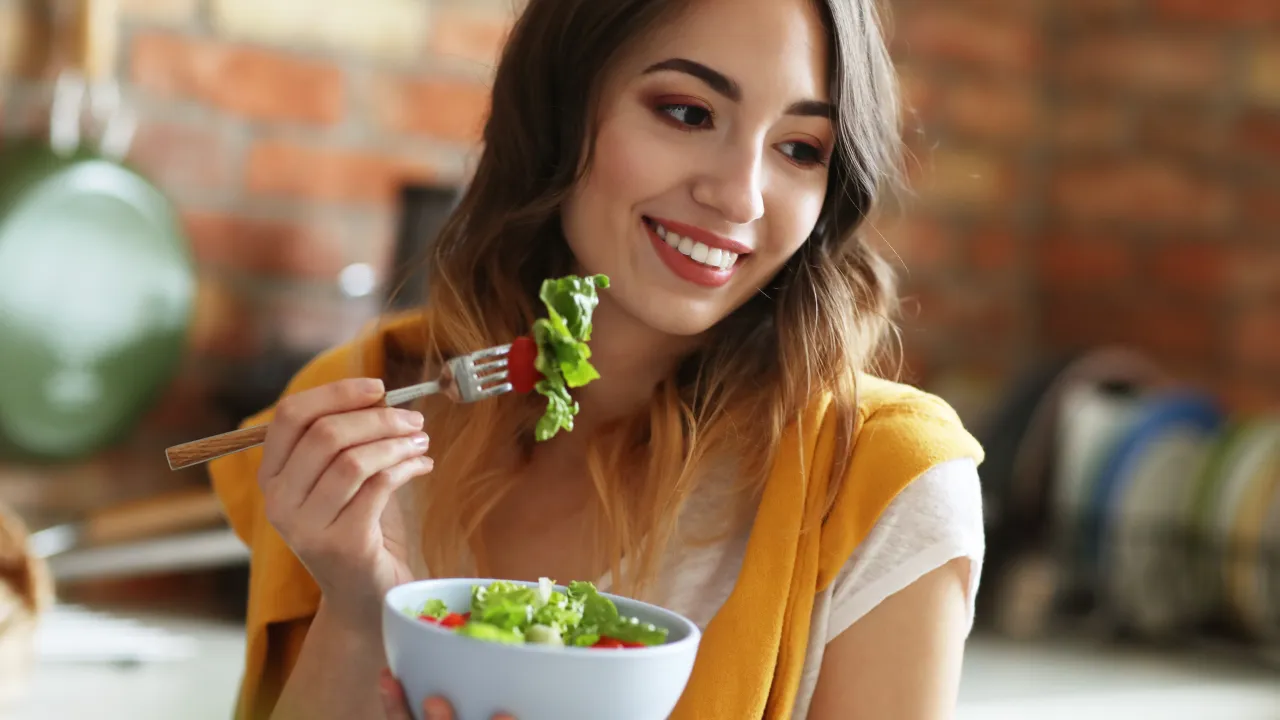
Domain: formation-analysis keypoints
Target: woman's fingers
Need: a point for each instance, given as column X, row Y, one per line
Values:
column 295, row 414
column 394, row 704
column 437, row 709
column 365, row 508
column 328, row 438
column 371, row 464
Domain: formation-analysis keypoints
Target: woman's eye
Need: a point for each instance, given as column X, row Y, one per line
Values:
column 689, row 115
column 803, row 153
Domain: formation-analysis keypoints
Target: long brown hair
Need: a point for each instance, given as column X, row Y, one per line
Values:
column 820, row 321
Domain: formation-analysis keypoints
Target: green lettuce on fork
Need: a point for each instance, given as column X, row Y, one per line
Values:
column 563, row 356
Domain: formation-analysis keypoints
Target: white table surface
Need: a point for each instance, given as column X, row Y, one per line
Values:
column 1002, row 680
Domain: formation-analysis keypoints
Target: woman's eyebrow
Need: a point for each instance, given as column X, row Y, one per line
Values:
column 726, row 86
column 715, row 79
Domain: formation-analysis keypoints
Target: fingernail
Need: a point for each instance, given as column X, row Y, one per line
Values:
column 411, row 419
column 420, row 440
column 372, row 385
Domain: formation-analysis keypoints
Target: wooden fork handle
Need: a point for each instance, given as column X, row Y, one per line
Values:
column 215, row 446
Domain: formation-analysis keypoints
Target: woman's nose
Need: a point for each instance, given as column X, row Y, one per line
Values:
column 733, row 186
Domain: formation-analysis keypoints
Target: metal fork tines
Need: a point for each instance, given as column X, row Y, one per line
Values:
column 465, row 378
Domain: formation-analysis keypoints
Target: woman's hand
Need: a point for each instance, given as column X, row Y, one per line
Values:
column 396, row 705
column 331, row 460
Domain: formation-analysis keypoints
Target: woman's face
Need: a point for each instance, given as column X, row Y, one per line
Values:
column 710, row 162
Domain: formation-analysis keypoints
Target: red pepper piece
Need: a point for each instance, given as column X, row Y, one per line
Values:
column 453, row 620
column 521, row 372
column 428, row 618
column 611, row 642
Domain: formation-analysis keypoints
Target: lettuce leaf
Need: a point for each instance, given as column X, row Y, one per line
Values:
column 598, row 612
column 504, row 605
column 600, row 618
column 434, row 608
column 491, row 633
column 563, row 355
column 559, row 611
column 509, row 613
column 632, row 630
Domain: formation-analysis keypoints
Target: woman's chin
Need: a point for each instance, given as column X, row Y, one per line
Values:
column 662, row 305
column 677, row 318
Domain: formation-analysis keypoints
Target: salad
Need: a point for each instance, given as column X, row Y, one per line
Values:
column 505, row 612
column 558, row 350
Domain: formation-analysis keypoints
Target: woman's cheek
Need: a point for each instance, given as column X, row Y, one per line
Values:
column 795, row 215
column 635, row 164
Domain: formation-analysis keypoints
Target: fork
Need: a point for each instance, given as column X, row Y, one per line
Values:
column 465, row 379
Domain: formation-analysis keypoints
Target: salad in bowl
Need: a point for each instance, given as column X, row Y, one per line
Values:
column 513, row 613
column 536, row 650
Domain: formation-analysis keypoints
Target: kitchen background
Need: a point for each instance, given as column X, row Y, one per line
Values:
column 1095, row 234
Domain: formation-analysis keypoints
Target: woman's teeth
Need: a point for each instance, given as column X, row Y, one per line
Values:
column 698, row 252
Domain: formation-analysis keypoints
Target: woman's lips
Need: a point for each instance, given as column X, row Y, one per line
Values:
column 690, row 260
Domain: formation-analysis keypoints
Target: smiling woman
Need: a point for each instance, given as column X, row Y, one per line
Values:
column 738, row 460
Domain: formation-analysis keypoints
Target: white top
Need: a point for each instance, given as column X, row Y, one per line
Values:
column 935, row 519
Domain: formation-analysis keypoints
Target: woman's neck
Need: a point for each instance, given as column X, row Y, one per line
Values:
column 632, row 358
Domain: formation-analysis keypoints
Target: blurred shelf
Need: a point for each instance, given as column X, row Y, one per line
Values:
column 138, row 666
column 178, row 553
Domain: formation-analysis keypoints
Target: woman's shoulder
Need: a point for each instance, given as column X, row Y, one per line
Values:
column 902, row 433
column 937, row 518
column 881, row 396
column 895, row 418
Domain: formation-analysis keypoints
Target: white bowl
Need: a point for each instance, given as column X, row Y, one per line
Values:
column 533, row 682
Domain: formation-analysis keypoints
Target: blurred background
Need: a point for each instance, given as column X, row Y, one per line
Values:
column 1091, row 263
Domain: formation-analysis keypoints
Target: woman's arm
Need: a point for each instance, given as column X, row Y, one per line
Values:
column 901, row 661
column 336, row 674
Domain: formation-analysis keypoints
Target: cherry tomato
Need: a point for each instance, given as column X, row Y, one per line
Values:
column 453, row 620
column 521, row 372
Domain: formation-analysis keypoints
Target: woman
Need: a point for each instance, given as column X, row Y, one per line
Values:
column 735, row 461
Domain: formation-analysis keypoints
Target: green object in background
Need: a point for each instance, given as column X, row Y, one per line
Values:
column 96, row 291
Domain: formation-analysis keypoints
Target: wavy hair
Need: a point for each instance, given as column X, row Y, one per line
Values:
column 823, row 318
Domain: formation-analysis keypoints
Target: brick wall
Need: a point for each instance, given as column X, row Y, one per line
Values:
column 1097, row 171
column 283, row 130
column 1087, row 171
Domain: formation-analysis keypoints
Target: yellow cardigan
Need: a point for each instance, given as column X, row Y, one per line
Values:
column 753, row 650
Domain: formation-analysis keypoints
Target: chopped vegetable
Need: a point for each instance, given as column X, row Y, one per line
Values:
column 608, row 642
column 433, row 609
column 452, row 620
column 521, row 368
column 492, row 633
column 563, row 355
column 600, row 619
column 507, row 612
